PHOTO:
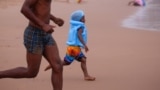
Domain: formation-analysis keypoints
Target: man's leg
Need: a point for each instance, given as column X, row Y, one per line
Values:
column 85, row 72
column 33, row 61
column 49, row 66
column 51, row 53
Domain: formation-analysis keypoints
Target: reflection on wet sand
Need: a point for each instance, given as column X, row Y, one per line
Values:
column 7, row 3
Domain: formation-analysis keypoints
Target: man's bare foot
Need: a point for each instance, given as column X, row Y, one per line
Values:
column 89, row 78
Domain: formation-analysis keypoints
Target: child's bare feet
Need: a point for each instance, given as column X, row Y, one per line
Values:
column 47, row 68
column 89, row 78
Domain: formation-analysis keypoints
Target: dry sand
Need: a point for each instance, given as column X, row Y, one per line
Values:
column 120, row 58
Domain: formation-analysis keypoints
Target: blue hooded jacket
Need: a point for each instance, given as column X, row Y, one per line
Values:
column 75, row 24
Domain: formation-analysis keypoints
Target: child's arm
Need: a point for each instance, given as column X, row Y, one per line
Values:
column 81, row 39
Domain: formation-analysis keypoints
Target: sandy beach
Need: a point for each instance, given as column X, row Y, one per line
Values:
column 120, row 58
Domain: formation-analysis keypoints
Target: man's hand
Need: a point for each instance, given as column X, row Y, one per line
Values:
column 48, row 28
column 59, row 21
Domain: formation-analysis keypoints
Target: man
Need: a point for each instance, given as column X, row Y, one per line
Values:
column 39, row 42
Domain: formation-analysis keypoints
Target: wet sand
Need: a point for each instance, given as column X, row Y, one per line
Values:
column 146, row 18
column 120, row 58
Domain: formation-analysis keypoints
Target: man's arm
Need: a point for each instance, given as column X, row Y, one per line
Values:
column 28, row 13
column 26, row 10
column 56, row 20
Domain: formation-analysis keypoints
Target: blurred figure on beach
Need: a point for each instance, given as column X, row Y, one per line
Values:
column 62, row 1
column 77, row 40
column 78, row 1
column 39, row 42
column 137, row 3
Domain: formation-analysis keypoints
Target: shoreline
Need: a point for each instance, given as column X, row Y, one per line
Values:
column 145, row 18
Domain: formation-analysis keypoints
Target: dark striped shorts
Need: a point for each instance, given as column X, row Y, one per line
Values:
column 36, row 39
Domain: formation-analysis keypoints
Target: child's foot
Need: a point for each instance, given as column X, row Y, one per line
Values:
column 89, row 78
column 47, row 68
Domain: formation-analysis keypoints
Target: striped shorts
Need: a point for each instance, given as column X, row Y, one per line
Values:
column 73, row 53
column 36, row 39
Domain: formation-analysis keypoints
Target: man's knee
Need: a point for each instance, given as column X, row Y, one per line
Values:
column 57, row 67
column 32, row 74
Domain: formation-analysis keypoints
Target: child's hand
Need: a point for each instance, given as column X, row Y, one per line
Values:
column 86, row 48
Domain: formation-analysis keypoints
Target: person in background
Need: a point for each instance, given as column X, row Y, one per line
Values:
column 137, row 3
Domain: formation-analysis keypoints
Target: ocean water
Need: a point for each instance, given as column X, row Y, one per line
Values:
column 145, row 18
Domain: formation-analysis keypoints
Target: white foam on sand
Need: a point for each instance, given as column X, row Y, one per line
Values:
column 145, row 18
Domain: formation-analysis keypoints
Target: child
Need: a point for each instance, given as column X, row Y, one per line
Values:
column 77, row 39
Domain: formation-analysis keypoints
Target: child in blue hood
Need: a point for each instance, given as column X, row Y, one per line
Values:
column 77, row 40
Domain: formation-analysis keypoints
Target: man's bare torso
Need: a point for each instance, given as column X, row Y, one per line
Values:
column 42, row 10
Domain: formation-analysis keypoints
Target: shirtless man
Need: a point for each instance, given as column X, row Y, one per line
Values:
column 39, row 42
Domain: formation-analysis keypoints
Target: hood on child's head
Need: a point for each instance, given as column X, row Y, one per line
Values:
column 77, row 15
